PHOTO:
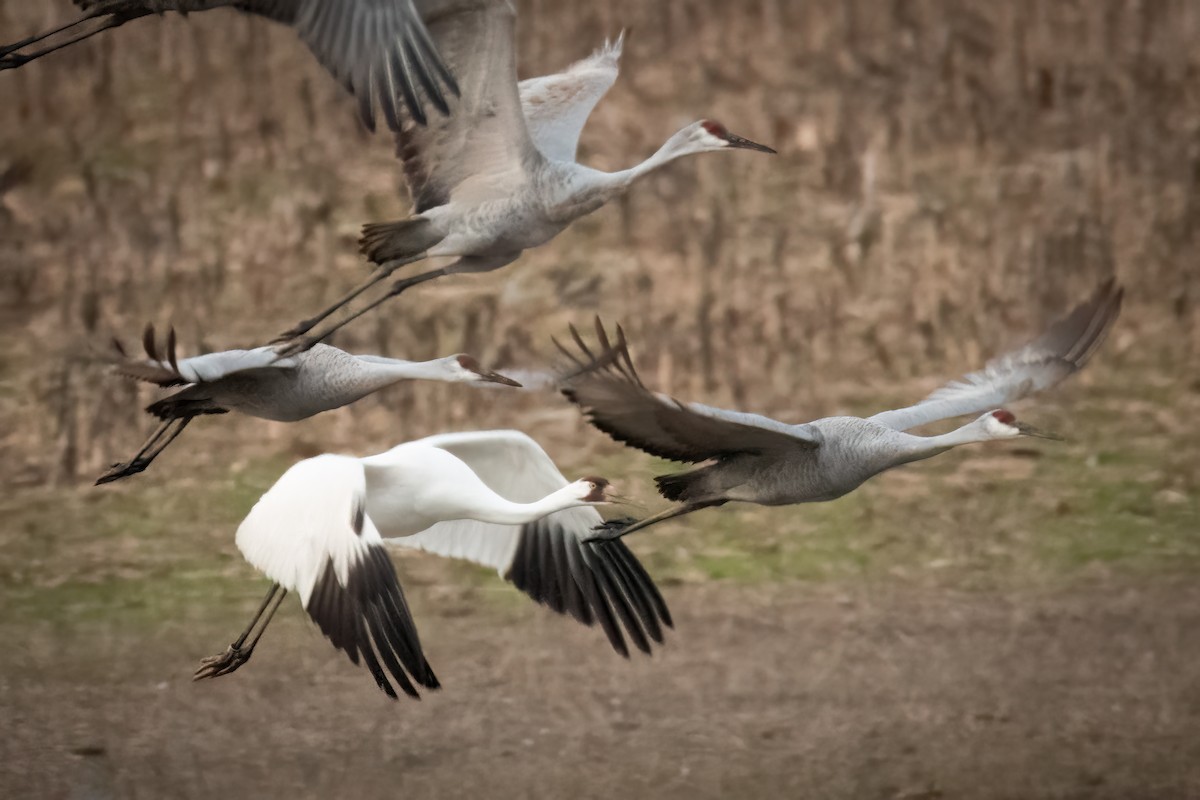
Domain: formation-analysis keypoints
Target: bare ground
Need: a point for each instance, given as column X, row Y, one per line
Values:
column 861, row 689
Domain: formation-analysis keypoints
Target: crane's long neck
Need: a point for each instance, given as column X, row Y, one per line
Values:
column 670, row 151
column 505, row 512
column 916, row 448
column 380, row 372
column 583, row 189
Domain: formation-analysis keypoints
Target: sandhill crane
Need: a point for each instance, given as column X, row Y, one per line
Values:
column 492, row 497
column 755, row 459
column 378, row 49
column 498, row 175
column 259, row 383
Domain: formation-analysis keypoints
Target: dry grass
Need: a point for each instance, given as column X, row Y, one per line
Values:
column 1021, row 152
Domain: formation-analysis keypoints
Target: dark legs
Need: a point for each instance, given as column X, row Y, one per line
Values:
column 604, row 534
column 144, row 456
column 291, row 345
column 239, row 652
column 384, row 270
column 10, row 59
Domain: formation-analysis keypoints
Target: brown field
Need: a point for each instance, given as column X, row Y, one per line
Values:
column 1016, row 621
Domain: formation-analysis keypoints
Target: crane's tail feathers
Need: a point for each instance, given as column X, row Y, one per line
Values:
column 683, row 487
column 391, row 241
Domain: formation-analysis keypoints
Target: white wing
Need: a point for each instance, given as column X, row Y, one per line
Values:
column 310, row 533
column 557, row 106
column 547, row 559
column 1059, row 352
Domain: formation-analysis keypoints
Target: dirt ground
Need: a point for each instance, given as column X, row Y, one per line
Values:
column 858, row 690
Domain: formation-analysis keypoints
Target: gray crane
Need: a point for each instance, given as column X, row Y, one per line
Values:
column 498, row 175
column 260, row 383
column 755, row 459
column 379, row 50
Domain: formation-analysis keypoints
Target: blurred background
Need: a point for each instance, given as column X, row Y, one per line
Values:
column 1017, row 620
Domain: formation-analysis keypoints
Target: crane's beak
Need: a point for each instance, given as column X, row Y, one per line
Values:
column 1028, row 430
column 745, row 144
column 496, row 377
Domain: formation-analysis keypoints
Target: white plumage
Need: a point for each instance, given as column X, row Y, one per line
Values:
column 491, row 497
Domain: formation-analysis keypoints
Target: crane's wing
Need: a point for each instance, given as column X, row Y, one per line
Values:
column 379, row 50
column 167, row 369
column 310, row 533
column 483, row 147
column 1059, row 352
column 547, row 559
column 557, row 106
column 614, row 399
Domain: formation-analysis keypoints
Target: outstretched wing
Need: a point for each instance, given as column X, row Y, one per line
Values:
column 484, row 142
column 614, row 399
column 557, row 106
column 547, row 559
column 380, row 50
column 1059, row 352
column 167, row 369
column 310, row 533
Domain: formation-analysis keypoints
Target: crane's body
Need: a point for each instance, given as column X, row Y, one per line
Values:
column 851, row 450
column 498, row 176
column 301, row 386
column 260, row 384
column 491, row 497
column 750, row 458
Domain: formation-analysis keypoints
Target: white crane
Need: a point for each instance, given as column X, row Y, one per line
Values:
column 492, row 497
column 378, row 49
column 755, row 459
column 498, row 175
column 259, row 383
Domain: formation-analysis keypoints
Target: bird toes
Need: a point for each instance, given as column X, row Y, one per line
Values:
column 222, row 664
column 286, row 347
column 122, row 470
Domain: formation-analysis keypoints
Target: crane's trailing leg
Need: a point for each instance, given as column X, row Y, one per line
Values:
column 10, row 59
column 240, row 651
column 380, row 274
column 145, row 455
column 608, row 531
column 299, row 345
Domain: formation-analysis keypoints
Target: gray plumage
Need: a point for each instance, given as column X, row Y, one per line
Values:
column 498, row 175
column 261, row 384
column 379, row 50
column 754, row 459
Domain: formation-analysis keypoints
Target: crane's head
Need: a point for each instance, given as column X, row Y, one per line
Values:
column 1003, row 424
column 468, row 369
column 707, row 135
column 592, row 490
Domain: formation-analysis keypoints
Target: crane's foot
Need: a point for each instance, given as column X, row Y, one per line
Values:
column 123, row 470
column 609, row 530
column 286, row 348
column 223, row 664
column 296, row 331
column 12, row 60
